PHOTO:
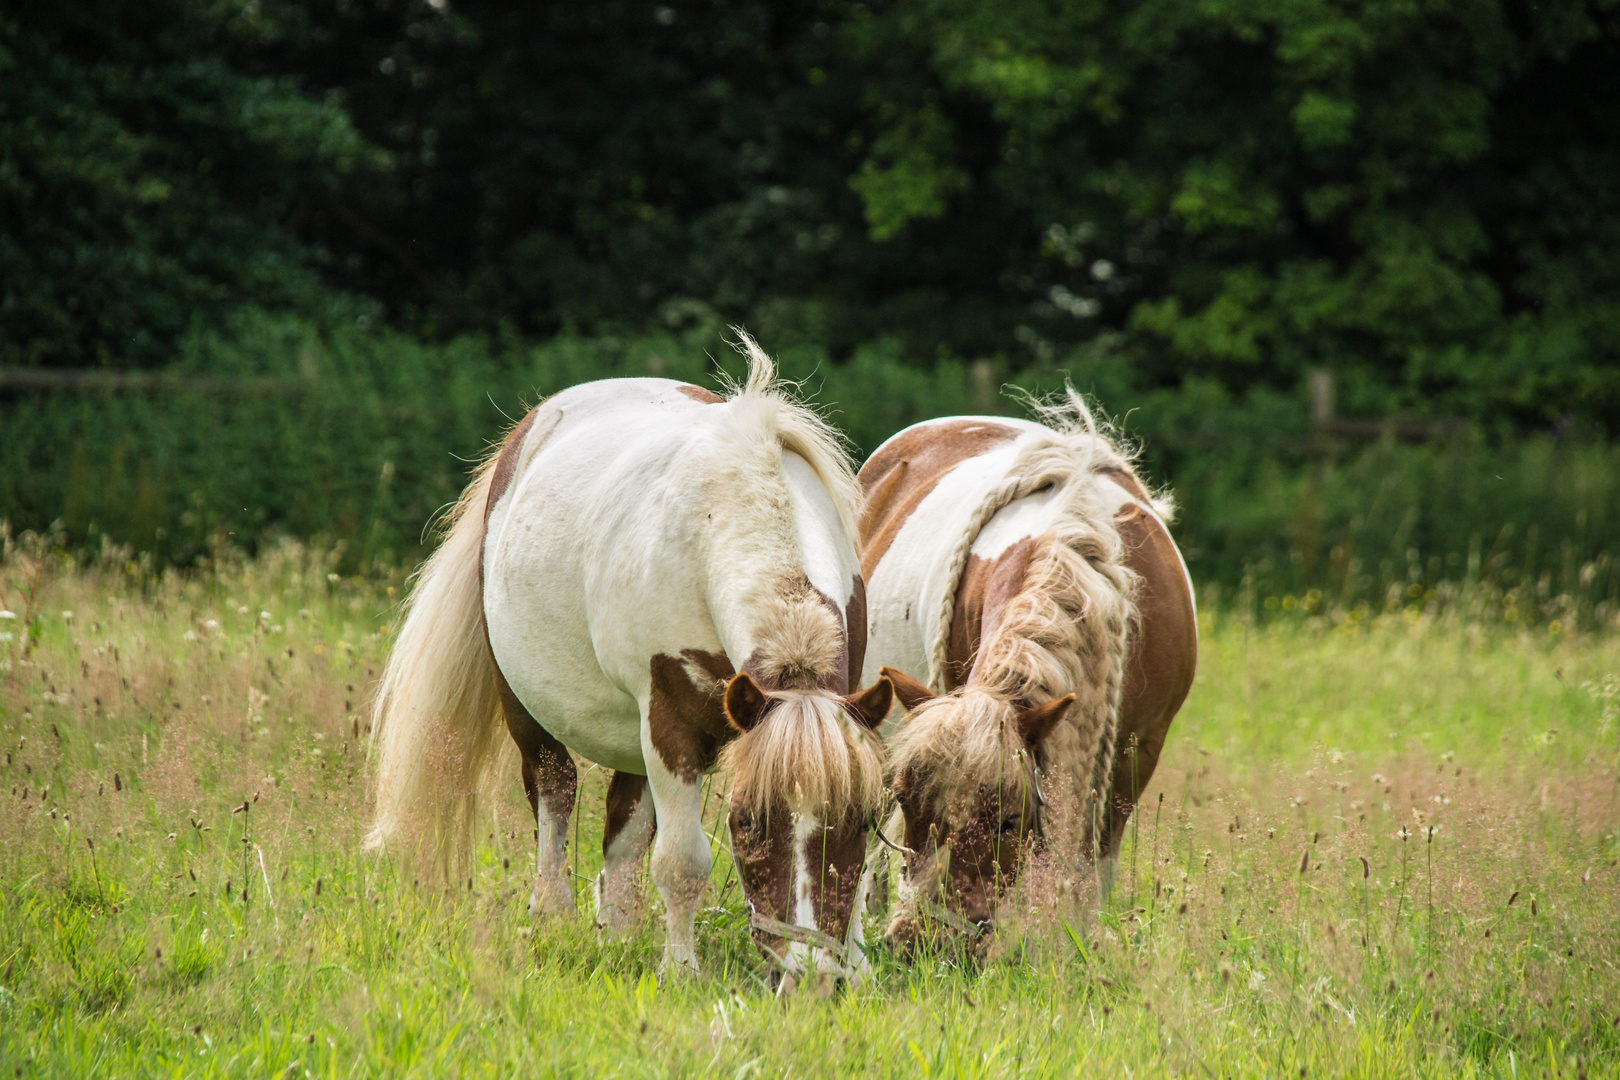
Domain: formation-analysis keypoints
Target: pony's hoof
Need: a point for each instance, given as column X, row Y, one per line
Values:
column 549, row 899
column 618, row 909
column 678, row 967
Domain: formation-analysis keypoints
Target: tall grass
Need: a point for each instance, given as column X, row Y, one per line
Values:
column 1378, row 846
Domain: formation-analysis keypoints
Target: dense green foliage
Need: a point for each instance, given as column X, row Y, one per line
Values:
column 147, row 183
column 1417, row 195
column 417, row 214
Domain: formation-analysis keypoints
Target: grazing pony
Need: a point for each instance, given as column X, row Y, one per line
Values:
column 1025, row 572
column 662, row 580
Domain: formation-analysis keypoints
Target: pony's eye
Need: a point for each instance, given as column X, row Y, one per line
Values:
column 1010, row 826
column 743, row 820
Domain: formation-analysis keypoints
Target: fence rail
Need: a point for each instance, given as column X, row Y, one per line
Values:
column 97, row 379
column 1325, row 422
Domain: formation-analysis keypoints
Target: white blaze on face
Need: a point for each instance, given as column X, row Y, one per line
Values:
column 800, row 956
column 803, row 908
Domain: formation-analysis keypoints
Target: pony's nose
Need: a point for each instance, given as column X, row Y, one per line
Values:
column 826, row 984
column 901, row 938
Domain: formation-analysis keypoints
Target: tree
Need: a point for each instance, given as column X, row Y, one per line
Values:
column 147, row 182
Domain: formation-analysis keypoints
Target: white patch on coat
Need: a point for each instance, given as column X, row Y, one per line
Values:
column 905, row 589
column 552, row 890
column 828, row 554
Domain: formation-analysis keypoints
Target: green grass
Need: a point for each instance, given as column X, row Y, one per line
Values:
column 1245, row 937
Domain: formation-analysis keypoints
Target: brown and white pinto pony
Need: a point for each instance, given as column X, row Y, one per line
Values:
column 662, row 580
column 1025, row 573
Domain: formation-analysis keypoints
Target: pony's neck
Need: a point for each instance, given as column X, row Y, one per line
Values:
column 780, row 573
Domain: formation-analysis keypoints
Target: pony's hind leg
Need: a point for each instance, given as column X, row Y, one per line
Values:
column 550, row 780
column 630, row 826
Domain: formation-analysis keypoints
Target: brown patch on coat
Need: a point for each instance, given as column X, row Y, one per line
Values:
column 624, row 794
column 838, row 678
column 836, row 859
column 897, row 478
column 716, row 665
column 855, row 623
column 506, row 464
column 984, row 843
column 687, row 721
column 762, row 848
column 1163, row 659
column 548, row 770
column 987, row 586
column 698, row 393
column 845, row 674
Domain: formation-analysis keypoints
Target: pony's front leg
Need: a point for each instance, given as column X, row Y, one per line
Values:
column 680, row 858
column 630, row 826
column 550, row 779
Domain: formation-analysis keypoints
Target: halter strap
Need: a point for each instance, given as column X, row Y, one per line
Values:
column 1039, row 791
column 939, row 913
column 901, row 848
column 805, row 935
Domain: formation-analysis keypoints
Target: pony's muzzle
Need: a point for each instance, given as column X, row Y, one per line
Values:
column 825, row 984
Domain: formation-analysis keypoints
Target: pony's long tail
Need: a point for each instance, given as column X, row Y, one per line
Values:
column 437, row 728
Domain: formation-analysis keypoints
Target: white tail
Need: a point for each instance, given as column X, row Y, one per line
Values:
column 438, row 730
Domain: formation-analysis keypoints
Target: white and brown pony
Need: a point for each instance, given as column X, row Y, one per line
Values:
column 1025, row 573
column 662, row 580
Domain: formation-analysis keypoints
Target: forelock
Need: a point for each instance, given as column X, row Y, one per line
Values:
column 806, row 756
column 951, row 745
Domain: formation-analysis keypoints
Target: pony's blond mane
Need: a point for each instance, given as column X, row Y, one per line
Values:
column 950, row 745
column 1067, row 631
column 764, row 406
column 807, row 755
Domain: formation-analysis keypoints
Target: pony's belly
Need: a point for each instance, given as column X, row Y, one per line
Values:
column 545, row 655
column 588, row 715
column 606, row 732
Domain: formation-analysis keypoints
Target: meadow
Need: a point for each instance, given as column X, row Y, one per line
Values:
column 1381, row 843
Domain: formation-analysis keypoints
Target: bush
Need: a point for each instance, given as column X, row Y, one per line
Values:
column 358, row 435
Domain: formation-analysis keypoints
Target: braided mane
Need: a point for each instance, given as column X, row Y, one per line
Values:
column 1067, row 631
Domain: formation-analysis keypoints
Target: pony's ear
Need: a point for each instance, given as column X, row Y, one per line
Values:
column 745, row 702
column 871, row 706
column 1036, row 722
column 910, row 692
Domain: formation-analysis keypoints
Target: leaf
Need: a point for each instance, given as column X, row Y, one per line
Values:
column 1079, row 946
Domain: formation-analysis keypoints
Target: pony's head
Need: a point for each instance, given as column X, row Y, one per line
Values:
column 966, row 779
column 807, row 781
